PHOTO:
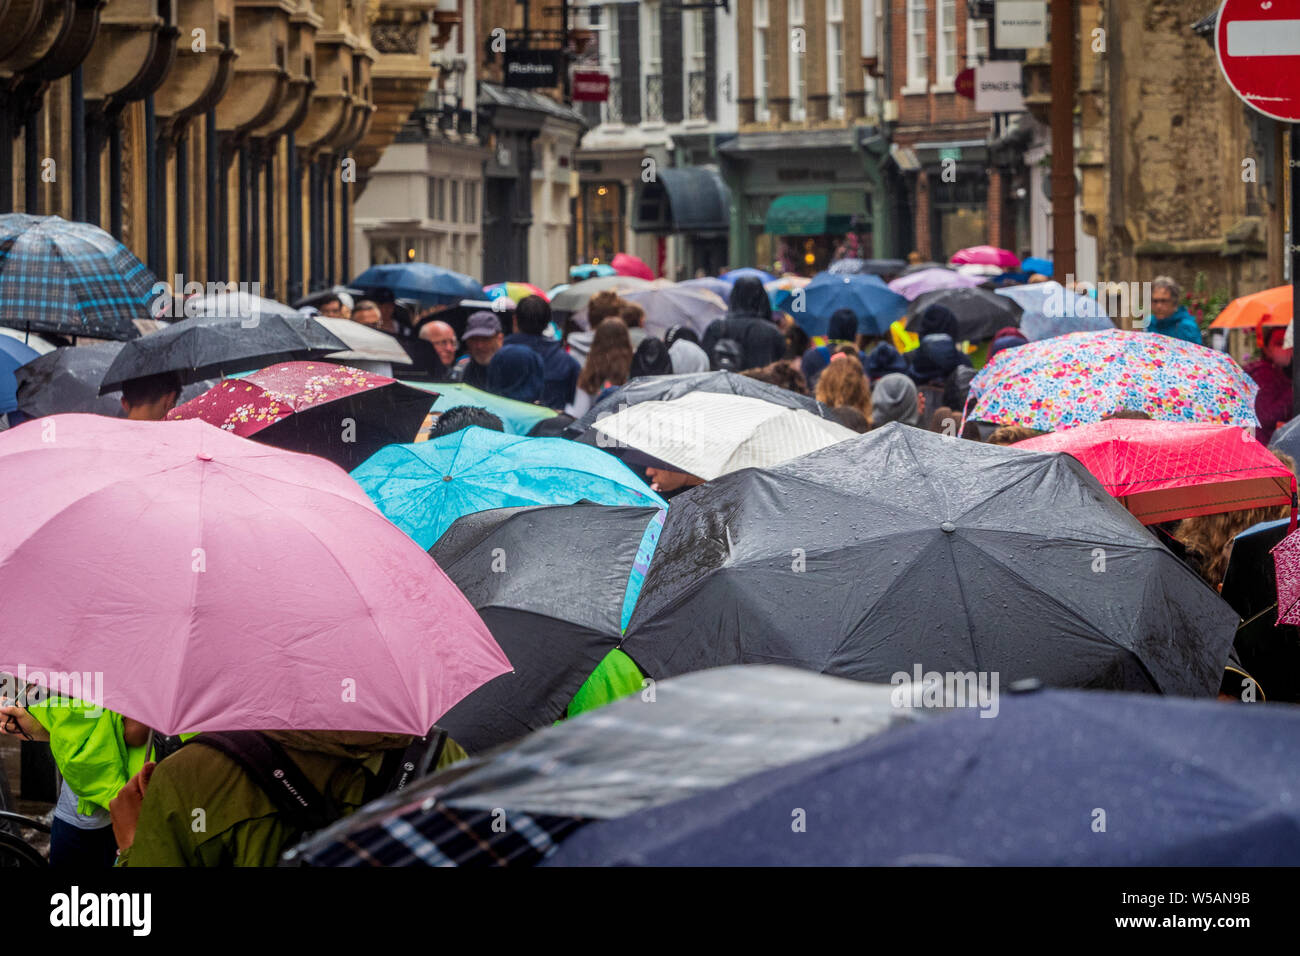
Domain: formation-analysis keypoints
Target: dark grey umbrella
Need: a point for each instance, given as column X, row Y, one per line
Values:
column 663, row 388
column 68, row 380
column 550, row 584
column 904, row 548
column 208, row 347
column 980, row 313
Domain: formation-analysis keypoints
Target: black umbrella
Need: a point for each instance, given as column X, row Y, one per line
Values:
column 905, row 548
column 208, row 347
column 921, row 266
column 1287, row 438
column 68, row 380
column 875, row 267
column 550, row 584
column 980, row 313
column 663, row 388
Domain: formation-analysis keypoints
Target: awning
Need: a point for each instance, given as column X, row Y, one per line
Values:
column 694, row 199
column 814, row 214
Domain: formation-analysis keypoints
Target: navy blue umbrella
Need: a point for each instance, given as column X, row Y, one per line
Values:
column 13, row 354
column 1057, row 778
column 867, row 296
column 71, row 278
column 427, row 284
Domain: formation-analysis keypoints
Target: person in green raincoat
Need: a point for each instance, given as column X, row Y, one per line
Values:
column 97, row 751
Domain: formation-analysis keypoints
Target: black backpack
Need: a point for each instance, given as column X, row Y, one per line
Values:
column 303, row 807
column 727, row 355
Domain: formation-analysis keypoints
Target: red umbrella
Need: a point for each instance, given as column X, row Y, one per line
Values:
column 334, row 411
column 1164, row 471
column 987, row 256
column 629, row 265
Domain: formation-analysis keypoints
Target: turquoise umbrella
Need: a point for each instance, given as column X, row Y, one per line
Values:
column 422, row 488
column 518, row 417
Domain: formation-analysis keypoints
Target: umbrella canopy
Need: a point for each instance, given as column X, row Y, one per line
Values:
column 1005, row 260
column 922, row 266
column 364, row 344
column 219, row 584
column 1037, row 326
column 425, row 283
column 875, row 267
column 13, row 354
column 709, row 434
column 591, row 270
column 422, row 488
column 735, row 274
column 231, row 305
column 626, row 264
column 780, row 292
column 1004, row 792
column 39, row 344
column 1166, row 471
column 980, row 313
column 609, row 763
column 70, row 278
column 68, row 379
column 514, row 291
column 983, row 271
column 832, row 562
column 554, row 628
column 518, row 417
column 719, row 287
column 1082, row 377
column 674, row 305
column 929, row 280
column 1055, row 301
column 663, row 388
column 1043, row 267
column 1287, row 438
column 575, row 297
column 205, row 347
column 867, row 296
column 334, row 411
column 1270, row 307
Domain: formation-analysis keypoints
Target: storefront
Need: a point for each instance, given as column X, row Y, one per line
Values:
column 800, row 196
column 693, row 206
column 601, row 221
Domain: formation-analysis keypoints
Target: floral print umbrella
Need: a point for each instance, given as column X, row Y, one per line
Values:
column 1081, row 377
column 334, row 411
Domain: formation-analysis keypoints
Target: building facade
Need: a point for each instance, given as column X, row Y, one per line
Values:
column 220, row 140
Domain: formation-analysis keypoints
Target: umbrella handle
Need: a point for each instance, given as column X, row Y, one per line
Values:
column 1294, row 503
column 148, row 746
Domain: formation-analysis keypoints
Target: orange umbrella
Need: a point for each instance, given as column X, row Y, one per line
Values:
column 1270, row 307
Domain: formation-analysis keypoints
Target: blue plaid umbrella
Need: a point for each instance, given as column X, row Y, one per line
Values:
column 71, row 278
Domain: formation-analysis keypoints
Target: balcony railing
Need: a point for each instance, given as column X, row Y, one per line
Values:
column 654, row 98
column 696, row 96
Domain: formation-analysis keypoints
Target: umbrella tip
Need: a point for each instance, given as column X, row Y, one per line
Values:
column 948, row 527
column 203, row 456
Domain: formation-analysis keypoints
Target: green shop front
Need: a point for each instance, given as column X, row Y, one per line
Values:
column 802, row 196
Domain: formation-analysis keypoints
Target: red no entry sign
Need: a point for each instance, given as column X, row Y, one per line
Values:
column 1258, row 45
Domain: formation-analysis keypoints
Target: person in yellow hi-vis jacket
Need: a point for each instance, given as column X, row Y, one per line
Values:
column 97, row 751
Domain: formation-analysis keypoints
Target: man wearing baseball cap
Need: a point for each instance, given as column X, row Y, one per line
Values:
column 483, row 336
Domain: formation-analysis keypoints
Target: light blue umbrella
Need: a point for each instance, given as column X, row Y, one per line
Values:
column 422, row 488
column 867, row 296
column 13, row 354
column 759, row 274
column 1051, row 310
column 589, row 271
column 518, row 417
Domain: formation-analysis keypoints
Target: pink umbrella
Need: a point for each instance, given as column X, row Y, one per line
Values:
column 987, row 256
column 629, row 265
column 1286, row 563
column 929, row 280
column 214, row 583
column 1165, row 471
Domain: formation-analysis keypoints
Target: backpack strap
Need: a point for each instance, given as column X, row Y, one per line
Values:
column 296, row 798
column 402, row 767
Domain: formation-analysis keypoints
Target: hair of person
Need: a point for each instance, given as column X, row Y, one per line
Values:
column 532, row 315
column 632, row 314
column 1170, row 284
column 327, row 300
column 850, row 417
column 845, row 383
column 602, row 305
column 781, row 374
column 944, row 421
column 463, row 416
column 364, row 304
column 150, row 388
column 1209, row 537
column 1127, row 413
column 796, row 342
column 680, row 333
column 610, row 358
column 1010, row 434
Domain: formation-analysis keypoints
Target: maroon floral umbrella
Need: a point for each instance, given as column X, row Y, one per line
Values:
column 334, row 411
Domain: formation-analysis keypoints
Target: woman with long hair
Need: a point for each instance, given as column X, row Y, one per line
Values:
column 607, row 364
column 845, row 383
